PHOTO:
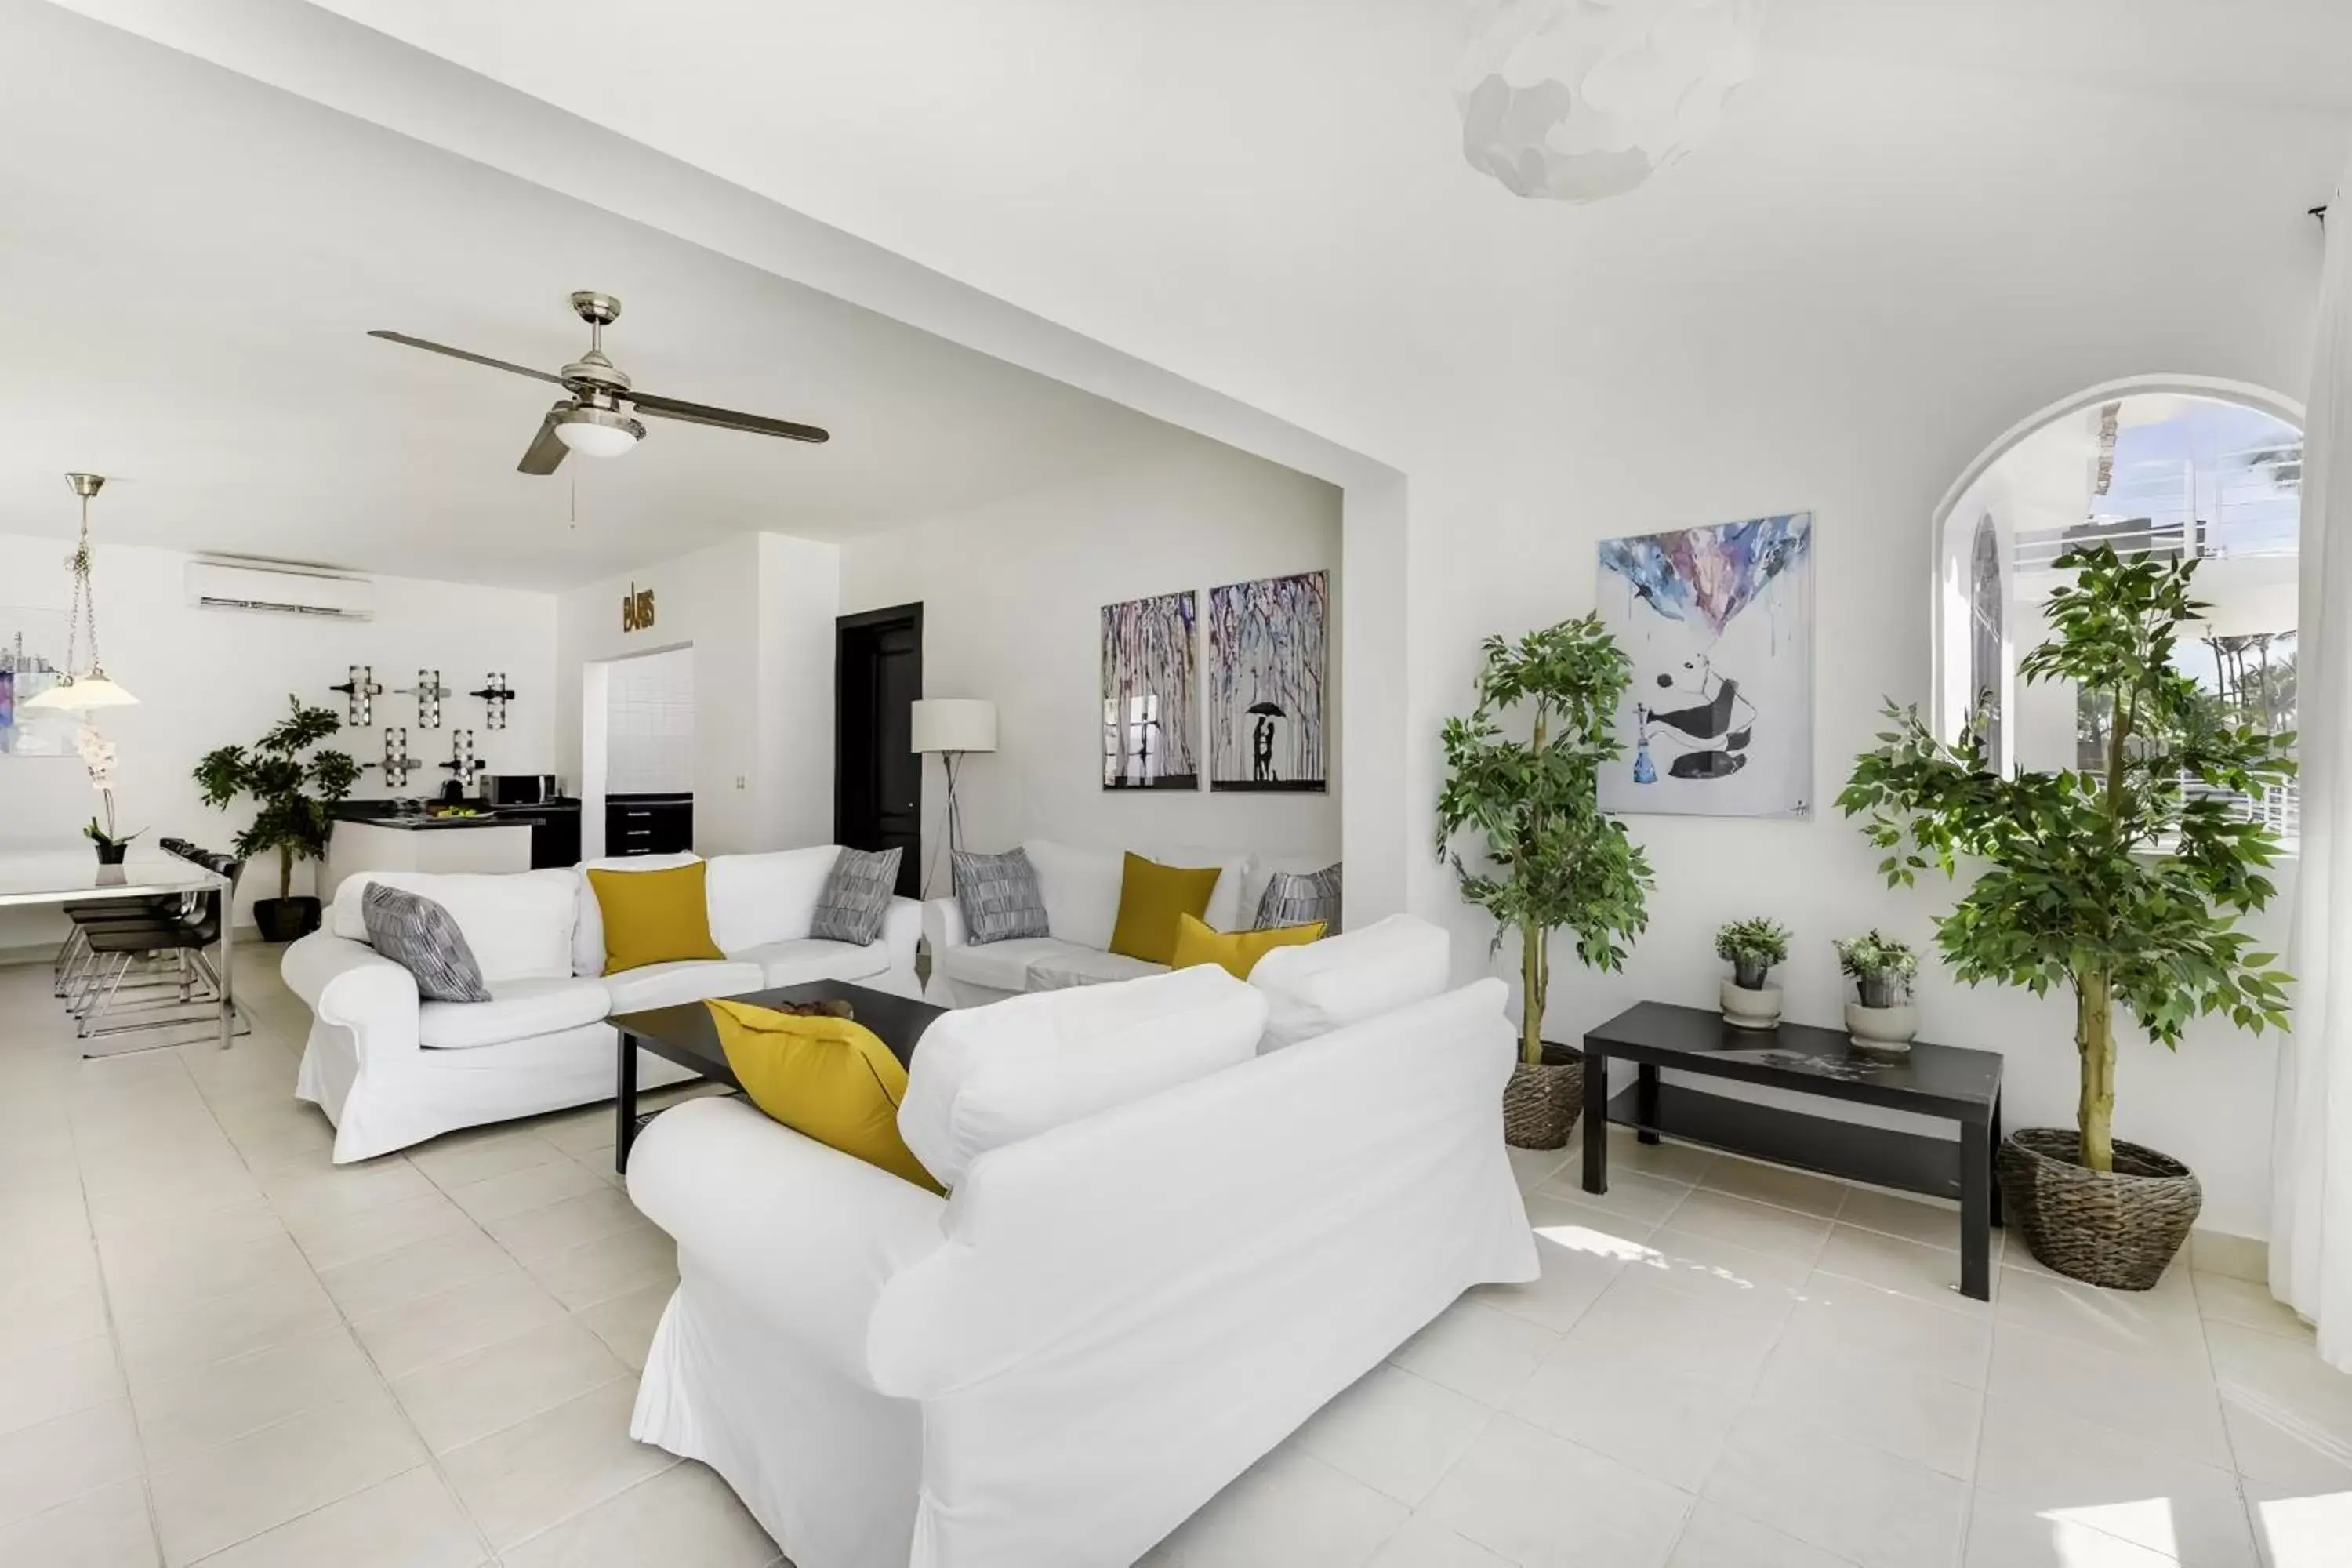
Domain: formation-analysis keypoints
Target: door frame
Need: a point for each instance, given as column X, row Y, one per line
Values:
column 844, row 627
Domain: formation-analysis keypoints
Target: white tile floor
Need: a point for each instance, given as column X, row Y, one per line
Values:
column 215, row 1347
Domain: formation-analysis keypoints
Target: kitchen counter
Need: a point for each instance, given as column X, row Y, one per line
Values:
column 445, row 824
column 422, row 844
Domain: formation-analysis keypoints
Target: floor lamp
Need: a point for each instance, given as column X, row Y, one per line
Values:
column 952, row 727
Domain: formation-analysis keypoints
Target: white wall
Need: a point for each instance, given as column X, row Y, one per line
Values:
column 761, row 677
column 213, row 677
column 1012, row 597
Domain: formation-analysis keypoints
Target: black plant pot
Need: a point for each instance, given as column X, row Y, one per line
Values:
column 112, row 854
column 283, row 919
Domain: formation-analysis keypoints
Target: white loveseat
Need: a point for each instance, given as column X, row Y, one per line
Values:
column 390, row 1070
column 1108, row 1321
column 1080, row 889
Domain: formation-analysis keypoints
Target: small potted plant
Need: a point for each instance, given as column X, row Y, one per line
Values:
column 1882, row 1017
column 1548, row 859
column 98, row 756
column 1752, row 947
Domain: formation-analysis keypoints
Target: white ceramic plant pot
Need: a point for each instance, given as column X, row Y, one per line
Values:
column 1881, row 1029
column 1757, row 1009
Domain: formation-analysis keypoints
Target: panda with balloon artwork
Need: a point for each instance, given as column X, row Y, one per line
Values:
column 1718, row 625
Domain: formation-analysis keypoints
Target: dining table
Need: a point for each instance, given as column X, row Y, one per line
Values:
column 37, row 877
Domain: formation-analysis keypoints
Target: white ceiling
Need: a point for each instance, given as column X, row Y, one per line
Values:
column 190, row 261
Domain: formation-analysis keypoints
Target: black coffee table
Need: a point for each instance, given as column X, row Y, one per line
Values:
column 1951, row 1082
column 685, row 1035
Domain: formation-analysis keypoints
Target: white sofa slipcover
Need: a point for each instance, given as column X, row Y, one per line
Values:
column 389, row 1071
column 1103, row 1325
column 1080, row 887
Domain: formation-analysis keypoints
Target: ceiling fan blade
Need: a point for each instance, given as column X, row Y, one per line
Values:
column 461, row 353
column 546, row 449
column 724, row 418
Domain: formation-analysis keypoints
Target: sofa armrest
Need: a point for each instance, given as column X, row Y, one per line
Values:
column 902, row 931
column 351, row 986
column 943, row 924
column 804, row 1235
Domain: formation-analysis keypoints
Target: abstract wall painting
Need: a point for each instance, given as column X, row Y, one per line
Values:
column 1267, row 660
column 32, row 657
column 1718, row 624
column 1150, row 668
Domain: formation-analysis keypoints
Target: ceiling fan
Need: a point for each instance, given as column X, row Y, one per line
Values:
column 597, row 419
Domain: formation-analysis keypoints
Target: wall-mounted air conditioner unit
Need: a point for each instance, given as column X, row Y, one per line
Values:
column 282, row 590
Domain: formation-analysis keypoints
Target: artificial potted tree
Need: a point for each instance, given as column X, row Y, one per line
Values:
column 2123, row 883
column 1751, row 947
column 295, row 785
column 1881, row 1017
column 1522, row 792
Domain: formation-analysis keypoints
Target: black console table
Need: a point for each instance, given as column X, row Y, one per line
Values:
column 1947, row 1081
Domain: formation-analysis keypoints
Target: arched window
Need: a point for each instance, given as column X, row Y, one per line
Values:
column 2168, row 468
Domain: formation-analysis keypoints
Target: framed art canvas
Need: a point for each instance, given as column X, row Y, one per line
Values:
column 1267, row 666
column 1718, row 625
column 1150, row 667
column 32, row 657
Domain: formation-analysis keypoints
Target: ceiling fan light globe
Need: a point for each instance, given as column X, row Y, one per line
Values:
column 598, row 432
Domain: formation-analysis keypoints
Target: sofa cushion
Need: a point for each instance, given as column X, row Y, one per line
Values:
column 771, row 897
column 990, row 1076
column 654, row 917
column 1000, row 965
column 999, row 897
column 519, row 924
column 1151, row 898
column 1324, row 985
column 1235, row 951
column 1080, row 889
column 517, row 1010
column 856, row 895
column 588, row 939
column 826, row 1079
column 421, row 937
column 1300, row 898
column 1075, row 965
column 813, row 958
column 689, row 980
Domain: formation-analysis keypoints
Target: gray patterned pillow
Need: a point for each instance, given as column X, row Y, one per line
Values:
column 1299, row 898
column 1000, row 897
column 856, row 895
column 422, row 938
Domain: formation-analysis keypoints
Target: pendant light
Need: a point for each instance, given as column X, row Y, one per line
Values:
column 91, row 688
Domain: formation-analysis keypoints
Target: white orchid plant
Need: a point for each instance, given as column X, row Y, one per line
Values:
column 98, row 756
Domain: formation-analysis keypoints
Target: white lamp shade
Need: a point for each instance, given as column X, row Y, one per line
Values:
column 81, row 693
column 954, row 724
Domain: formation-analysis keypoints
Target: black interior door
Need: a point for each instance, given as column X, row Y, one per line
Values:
column 879, row 780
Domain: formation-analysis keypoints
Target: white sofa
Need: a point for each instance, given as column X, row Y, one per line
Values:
column 1108, row 1321
column 390, row 1070
column 1080, row 889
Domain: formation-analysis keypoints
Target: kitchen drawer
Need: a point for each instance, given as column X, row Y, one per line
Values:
column 648, row 827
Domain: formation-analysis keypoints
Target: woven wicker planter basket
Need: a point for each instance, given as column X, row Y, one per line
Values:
column 1541, row 1103
column 2117, row 1230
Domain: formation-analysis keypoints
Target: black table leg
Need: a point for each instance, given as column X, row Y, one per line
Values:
column 1976, row 1210
column 624, row 1102
column 1995, row 1140
column 1596, row 1119
column 1645, row 1101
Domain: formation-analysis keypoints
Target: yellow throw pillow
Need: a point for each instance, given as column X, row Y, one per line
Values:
column 825, row 1078
column 1151, row 897
column 653, row 917
column 1238, row 950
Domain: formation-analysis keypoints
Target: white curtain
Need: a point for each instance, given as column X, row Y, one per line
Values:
column 2310, row 1199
